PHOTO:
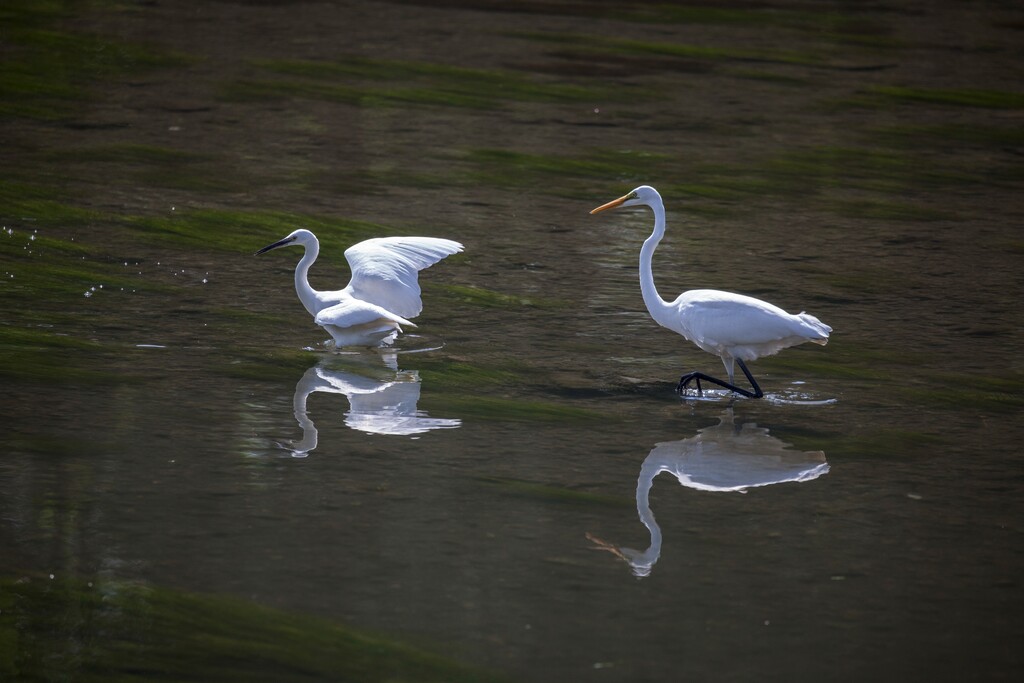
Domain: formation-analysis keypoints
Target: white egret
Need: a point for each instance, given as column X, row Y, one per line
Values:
column 734, row 327
column 384, row 291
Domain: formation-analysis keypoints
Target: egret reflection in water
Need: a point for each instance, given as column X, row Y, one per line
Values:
column 723, row 457
column 376, row 406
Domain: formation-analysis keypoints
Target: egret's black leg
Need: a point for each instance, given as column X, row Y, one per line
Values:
column 750, row 378
column 685, row 380
column 696, row 377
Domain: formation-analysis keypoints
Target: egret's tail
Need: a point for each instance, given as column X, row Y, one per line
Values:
column 817, row 331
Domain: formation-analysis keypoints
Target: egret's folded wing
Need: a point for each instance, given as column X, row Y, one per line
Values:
column 351, row 312
column 728, row 319
column 384, row 270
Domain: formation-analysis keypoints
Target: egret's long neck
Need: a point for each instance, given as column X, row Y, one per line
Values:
column 643, row 502
column 307, row 295
column 658, row 307
column 305, row 387
column 643, row 561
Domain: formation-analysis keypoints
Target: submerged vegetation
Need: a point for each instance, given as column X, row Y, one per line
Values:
column 370, row 82
column 245, row 231
column 49, row 631
column 47, row 72
column 553, row 493
column 505, row 409
column 601, row 45
column 481, row 296
column 962, row 97
column 811, row 175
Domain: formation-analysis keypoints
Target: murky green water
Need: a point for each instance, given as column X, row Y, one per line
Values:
column 191, row 488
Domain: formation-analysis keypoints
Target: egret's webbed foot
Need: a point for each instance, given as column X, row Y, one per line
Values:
column 696, row 378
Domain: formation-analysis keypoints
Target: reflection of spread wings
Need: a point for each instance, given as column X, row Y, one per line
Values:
column 375, row 406
column 384, row 270
column 390, row 408
column 370, row 396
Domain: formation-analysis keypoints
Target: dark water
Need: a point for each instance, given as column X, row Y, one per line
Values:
column 191, row 487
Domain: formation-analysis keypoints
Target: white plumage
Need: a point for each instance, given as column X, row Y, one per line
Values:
column 384, row 290
column 734, row 327
column 724, row 323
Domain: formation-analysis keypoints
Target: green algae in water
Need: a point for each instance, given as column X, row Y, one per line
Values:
column 834, row 25
column 446, row 374
column 576, row 175
column 882, row 443
column 395, row 82
column 676, row 14
column 964, row 97
column 282, row 365
column 553, row 493
column 888, row 211
column 247, row 231
column 30, row 203
column 488, row 298
column 625, row 46
column 501, row 409
column 46, row 355
column 959, row 391
column 862, row 168
column 597, row 164
column 46, row 73
column 58, row 269
column 127, row 153
column 256, row 90
column 815, row 174
column 948, row 135
column 769, row 77
column 880, row 96
column 117, row 632
column 17, row 243
column 801, row 173
column 154, row 166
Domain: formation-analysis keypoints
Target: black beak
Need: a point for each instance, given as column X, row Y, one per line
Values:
column 280, row 243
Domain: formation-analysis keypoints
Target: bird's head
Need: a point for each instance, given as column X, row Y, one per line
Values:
column 300, row 237
column 643, row 195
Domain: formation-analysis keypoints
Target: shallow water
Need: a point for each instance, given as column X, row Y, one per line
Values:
column 514, row 487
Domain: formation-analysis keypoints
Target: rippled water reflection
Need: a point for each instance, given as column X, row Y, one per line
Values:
column 158, row 379
column 376, row 406
column 726, row 457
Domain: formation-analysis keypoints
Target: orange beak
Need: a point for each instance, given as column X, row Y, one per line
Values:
column 611, row 205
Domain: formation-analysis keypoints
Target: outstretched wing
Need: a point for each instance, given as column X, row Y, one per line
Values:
column 384, row 270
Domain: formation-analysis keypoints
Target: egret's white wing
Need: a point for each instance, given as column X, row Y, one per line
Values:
column 351, row 312
column 724, row 319
column 384, row 270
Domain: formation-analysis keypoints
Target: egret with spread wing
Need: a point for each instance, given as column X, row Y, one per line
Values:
column 384, row 291
column 734, row 327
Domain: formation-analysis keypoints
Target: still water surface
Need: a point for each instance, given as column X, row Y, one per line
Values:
column 513, row 488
